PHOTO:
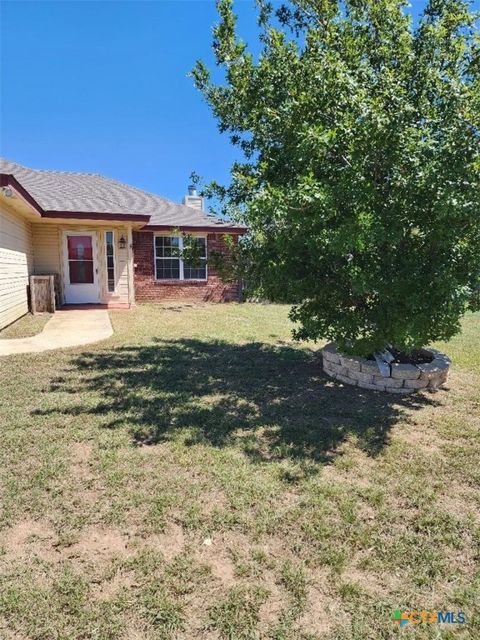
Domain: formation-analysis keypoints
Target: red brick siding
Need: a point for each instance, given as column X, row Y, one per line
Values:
column 147, row 289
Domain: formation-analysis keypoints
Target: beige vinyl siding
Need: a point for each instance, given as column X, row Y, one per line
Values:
column 46, row 249
column 47, row 258
column 16, row 263
column 122, row 266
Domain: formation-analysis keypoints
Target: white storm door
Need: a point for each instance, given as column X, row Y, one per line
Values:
column 81, row 267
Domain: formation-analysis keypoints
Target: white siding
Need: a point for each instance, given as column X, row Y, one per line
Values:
column 16, row 263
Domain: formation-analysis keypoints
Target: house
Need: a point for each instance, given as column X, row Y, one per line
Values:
column 107, row 243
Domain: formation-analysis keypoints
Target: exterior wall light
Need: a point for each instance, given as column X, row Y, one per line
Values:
column 122, row 243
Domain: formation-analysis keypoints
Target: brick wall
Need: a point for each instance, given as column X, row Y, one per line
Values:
column 147, row 289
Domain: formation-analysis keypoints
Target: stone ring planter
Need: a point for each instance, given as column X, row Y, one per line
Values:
column 403, row 378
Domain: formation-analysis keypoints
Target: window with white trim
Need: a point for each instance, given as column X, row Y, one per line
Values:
column 110, row 259
column 170, row 266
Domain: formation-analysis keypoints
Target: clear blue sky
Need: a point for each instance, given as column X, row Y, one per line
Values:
column 102, row 87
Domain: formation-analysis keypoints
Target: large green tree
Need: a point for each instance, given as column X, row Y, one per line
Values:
column 359, row 179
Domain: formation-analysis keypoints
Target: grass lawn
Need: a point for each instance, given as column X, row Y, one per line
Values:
column 197, row 477
column 26, row 326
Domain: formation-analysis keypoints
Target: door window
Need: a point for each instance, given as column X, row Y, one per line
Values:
column 80, row 259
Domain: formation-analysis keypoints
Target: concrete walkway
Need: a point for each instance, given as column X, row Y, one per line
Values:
column 64, row 329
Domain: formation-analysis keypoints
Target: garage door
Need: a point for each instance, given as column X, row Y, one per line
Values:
column 15, row 265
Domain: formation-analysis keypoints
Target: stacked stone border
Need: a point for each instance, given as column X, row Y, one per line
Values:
column 403, row 379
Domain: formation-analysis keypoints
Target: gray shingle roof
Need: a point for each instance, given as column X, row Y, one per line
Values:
column 93, row 193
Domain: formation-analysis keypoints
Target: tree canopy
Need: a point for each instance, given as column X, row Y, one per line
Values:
column 360, row 171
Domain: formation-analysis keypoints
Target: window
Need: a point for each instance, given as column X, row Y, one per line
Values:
column 167, row 262
column 198, row 272
column 110, row 256
column 169, row 265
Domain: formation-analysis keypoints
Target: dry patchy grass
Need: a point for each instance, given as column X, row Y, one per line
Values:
column 28, row 325
column 196, row 476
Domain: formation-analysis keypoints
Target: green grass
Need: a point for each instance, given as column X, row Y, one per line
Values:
column 464, row 348
column 28, row 325
column 196, row 476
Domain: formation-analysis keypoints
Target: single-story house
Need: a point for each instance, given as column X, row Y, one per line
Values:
column 106, row 242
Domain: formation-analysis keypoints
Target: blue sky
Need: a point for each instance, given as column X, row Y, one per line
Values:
column 103, row 87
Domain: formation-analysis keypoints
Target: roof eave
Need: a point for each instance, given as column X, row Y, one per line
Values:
column 7, row 180
column 94, row 215
column 192, row 228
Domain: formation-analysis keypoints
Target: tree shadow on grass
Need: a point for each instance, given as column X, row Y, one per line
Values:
column 272, row 401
